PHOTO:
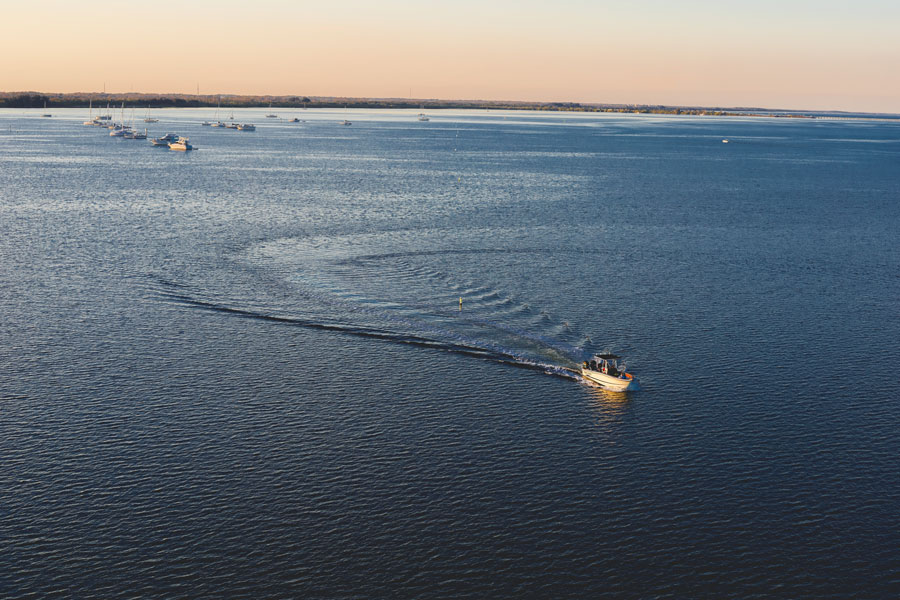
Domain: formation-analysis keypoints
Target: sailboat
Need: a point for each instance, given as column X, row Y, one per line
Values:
column 271, row 115
column 218, row 123
column 422, row 116
column 132, row 133
column 90, row 120
column 120, row 129
column 45, row 108
column 148, row 118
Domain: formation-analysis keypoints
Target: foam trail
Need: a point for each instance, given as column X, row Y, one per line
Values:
column 463, row 345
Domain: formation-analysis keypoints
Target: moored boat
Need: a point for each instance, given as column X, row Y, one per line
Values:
column 182, row 143
column 246, row 127
column 606, row 371
column 164, row 140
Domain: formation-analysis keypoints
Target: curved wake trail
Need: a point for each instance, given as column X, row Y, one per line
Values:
column 466, row 347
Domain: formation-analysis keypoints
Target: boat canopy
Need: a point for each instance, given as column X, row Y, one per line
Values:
column 608, row 356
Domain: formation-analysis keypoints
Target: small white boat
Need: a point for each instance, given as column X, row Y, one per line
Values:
column 246, row 127
column 119, row 131
column 164, row 140
column 725, row 141
column 423, row 117
column 346, row 122
column 135, row 135
column 107, row 116
column 271, row 116
column 206, row 124
column 182, row 143
column 606, row 371
column 91, row 121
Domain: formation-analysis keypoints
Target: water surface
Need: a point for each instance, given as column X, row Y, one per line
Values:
column 244, row 370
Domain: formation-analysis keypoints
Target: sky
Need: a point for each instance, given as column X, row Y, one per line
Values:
column 792, row 54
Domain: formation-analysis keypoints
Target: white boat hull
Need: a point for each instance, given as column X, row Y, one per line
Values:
column 616, row 384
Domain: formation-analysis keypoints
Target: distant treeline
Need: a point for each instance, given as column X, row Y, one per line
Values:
column 83, row 100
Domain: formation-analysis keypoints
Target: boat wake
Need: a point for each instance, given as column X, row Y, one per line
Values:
column 437, row 298
column 467, row 349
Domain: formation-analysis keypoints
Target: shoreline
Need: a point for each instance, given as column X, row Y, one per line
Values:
column 39, row 100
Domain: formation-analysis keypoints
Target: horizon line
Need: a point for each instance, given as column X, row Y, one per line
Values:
column 571, row 103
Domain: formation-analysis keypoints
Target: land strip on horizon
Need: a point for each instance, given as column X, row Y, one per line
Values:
column 31, row 99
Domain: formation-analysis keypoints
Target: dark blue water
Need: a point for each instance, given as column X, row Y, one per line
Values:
column 244, row 372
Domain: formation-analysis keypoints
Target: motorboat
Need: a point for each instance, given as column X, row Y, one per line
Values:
column 295, row 120
column 423, row 117
column 246, row 127
column 232, row 126
column 164, row 140
column 119, row 131
column 346, row 122
column 206, row 124
column 182, row 143
column 606, row 371
column 271, row 116
column 219, row 124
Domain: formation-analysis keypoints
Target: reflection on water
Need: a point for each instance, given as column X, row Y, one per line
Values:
column 610, row 406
